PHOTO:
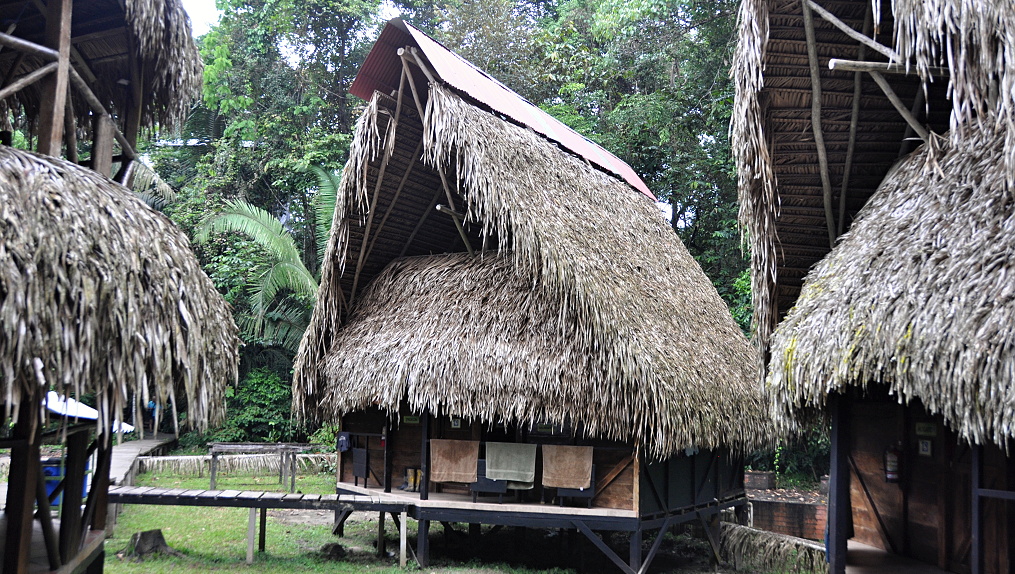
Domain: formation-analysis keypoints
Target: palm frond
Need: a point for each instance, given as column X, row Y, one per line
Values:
column 324, row 207
column 257, row 224
column 150, row 187
column 286, row 275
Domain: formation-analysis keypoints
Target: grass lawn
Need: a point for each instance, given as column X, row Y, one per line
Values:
column 214, row 539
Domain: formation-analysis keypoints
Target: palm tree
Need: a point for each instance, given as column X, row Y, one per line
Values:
column 283, row 290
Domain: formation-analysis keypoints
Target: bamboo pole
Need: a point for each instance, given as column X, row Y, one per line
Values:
column 854, row 120
column 422, row 114
column 398, row 193
column 389, row 148
column 849, row 31
column 819, row 136
column 882, row 67
column 899, row 106
column 27, row 80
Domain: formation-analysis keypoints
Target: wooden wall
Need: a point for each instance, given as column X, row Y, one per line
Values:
column 687, row 480
column 926, row 515
column 612, row 460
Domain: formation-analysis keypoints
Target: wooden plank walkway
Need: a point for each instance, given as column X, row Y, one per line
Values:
column 258, row 500
column 124, row 455
column 252, row 499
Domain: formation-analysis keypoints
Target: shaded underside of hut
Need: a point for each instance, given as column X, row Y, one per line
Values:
column 133, row 55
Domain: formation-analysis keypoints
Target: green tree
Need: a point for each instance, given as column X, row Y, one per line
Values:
column 282, row 287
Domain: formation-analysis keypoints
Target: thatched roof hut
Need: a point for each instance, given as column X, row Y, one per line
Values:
column 801, row 187
column 100, row 294
column 133, row 54
column 888, row 272
column 584, row 308
column 916, row 297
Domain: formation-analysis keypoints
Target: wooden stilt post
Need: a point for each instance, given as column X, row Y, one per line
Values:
column 976, row 480
column 402, row 528
column 381, row 548
column 424, row 463
column 839, row 508
column 634, row 559
column 54, row 87
column 262, row 534
column 251, row 530
column 423, row 543
column 24, row 470
column 386, row 439
column 74, row 482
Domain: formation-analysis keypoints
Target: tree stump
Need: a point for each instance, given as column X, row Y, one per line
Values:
column 146, row 543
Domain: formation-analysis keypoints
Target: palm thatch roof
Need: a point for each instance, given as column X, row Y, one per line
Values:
column 917, row 296
column 115, row 44
column 801, row 187
column 100, row 294
column 586, row 308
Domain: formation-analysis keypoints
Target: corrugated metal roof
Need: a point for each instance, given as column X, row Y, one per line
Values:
column 383, row 67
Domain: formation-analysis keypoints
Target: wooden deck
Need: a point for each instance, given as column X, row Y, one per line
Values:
column 251, row 499
column 486, row 504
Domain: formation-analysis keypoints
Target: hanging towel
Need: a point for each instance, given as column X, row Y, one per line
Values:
column 511, row 461
column 453, row 460
column 567, row 466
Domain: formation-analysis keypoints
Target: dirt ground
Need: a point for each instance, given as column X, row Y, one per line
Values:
column 531, row 548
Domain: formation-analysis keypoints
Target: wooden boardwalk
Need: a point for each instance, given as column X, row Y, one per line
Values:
column 252, row 499
column 259, row 500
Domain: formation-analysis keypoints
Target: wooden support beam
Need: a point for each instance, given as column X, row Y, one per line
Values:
column 402, row 525
column 71, row 532
column 98, row 499
column 394, row 198
column 849, row 31
column 907, row 138
column 102, row 145
column 24, row 470
column 976, row 527
column 883, row 67
column 656, row 545
column 251, row 531
column 389, row 147
column 28, row 79
column 879, row 521
column 424, row 462
column 819, row 136
column 381, row 542
column 47, row 54
column 54, row 87
column 419, row 224
column 606, row 550
column 854, row 120
column 711, row 528
column 262, row 533
column 899, row 106
column 840, row 512
column 613, row 474
column 46, row 522
column 423, row 543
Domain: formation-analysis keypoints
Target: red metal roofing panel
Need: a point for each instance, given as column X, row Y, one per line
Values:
column 383, row 67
